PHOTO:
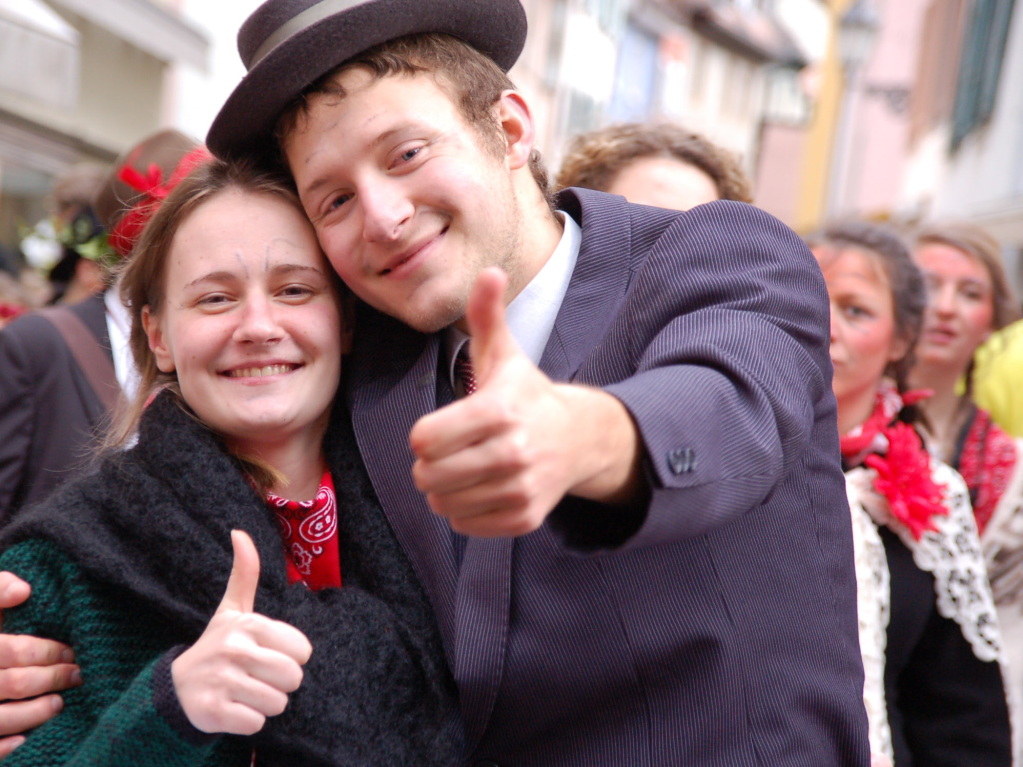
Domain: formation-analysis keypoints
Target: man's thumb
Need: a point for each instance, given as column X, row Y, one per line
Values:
column 492, row 340
column 240, row 594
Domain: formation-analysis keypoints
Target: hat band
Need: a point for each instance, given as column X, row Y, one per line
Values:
column 297, row 23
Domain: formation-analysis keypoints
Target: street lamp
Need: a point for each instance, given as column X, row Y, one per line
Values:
column 856, row 34
column 857, row 31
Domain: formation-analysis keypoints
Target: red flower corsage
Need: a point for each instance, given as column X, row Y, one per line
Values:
column 11, row 311
column 904, row 479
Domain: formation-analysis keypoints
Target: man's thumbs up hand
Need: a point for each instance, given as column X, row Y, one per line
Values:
column 242, row 668
column 488, row 462
column 492, row 345
column 497, row 462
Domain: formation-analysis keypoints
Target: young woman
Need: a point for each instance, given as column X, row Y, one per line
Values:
column 968, row 299
column 933, row 688
column 238, row 330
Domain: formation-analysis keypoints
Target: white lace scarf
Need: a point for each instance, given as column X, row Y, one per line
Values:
column 952, row 554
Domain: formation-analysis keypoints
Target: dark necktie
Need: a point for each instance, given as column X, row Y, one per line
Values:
column 463, row 370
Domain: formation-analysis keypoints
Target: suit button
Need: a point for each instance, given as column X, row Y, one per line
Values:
column 682, row 461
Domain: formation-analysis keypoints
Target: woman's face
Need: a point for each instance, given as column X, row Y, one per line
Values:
column 251, row 321
column 960, row 306
column 863, row 333
column 664, row 182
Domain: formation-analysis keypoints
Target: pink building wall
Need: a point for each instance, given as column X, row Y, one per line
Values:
column 880, row 135
column 780, row 170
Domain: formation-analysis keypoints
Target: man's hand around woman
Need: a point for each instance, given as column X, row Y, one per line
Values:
column 31, row 670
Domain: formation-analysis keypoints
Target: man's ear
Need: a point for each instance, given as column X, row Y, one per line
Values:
column 519, row 129
column 157, row 342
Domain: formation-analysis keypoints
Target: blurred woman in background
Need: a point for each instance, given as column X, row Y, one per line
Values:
column 659, row 164
column 928, row 632
column 969, row 298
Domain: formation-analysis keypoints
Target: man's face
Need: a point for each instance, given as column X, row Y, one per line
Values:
column 408, row 202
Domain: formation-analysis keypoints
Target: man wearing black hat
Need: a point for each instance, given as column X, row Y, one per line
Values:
column 628, row 510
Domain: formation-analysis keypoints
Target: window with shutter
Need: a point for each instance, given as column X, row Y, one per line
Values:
column 980, row 66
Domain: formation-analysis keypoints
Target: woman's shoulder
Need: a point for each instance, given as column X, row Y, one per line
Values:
column 54, row 572
column 952, row 553
column 985, row 435
column 114, row 479
column 989, row 460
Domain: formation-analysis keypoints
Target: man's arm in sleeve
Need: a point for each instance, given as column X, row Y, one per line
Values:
column 728, row 320
column 730, row 340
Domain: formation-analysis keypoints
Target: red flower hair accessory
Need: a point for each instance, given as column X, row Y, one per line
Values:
column 904, row 479
column 154, row 189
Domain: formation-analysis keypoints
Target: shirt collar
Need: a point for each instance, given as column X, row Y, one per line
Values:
column 119, row 332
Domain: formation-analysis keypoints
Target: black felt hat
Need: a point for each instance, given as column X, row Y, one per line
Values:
column 288, row 44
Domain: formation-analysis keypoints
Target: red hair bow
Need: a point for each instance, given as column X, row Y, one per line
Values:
column 126, row 231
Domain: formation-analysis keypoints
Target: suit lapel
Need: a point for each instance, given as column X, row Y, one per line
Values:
column 93, row 312
column 386, row 399
column 598, row 283
column 483, row 609
column 484, row 586
column 471, row 601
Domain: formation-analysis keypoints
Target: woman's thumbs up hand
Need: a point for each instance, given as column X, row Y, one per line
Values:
column 242, row 668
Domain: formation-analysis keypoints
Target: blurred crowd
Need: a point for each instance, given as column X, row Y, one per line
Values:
column 64, row 257
column 927, row 349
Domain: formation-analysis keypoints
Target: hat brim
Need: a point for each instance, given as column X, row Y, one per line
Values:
column 244, row 127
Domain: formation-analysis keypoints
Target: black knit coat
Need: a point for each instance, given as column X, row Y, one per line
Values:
column 154, row 522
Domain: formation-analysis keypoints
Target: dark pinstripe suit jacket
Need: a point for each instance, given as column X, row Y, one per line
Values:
column 49, row 414
column 721, row 632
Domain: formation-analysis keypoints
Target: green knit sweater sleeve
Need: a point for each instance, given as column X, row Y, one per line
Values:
column 111, row 720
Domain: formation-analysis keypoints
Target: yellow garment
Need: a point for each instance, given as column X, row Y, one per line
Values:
column 998, row 378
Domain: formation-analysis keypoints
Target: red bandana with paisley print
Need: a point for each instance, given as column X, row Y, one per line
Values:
column 309, row 529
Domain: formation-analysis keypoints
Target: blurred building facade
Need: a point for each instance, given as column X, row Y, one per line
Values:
column 929, row 125
column 567, row 66
column 965, row 148
column 852, row 152
column 721, row 68
column 80, row 80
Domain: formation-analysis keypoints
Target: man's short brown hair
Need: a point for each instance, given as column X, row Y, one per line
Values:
column 472, row 80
